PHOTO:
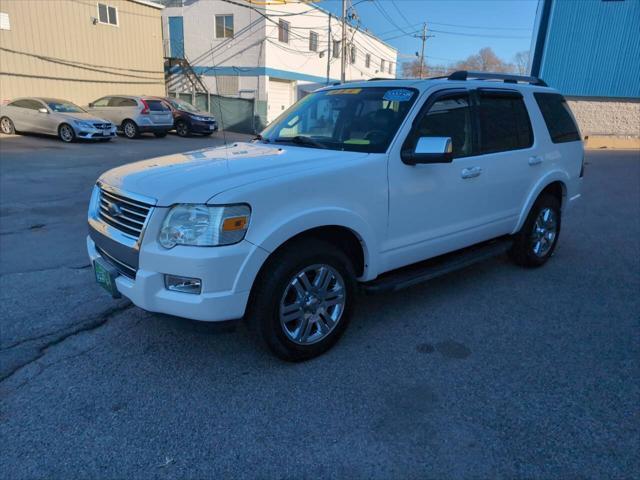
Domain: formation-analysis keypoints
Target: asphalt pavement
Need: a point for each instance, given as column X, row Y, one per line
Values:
column 491, row 372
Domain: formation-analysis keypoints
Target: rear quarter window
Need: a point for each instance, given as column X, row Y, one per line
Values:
column 557, row 116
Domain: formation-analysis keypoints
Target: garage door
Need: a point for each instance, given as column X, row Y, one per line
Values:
column 280, row 98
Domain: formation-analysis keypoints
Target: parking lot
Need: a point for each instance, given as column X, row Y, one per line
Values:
column 492, row 372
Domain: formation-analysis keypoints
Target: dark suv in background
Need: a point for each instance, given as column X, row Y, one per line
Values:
column 188, row 119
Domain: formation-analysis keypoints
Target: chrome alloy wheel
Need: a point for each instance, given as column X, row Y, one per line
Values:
column 66, row 133
column 545, row 230
column 6, row 126
column 130, row 130
column 312, row 304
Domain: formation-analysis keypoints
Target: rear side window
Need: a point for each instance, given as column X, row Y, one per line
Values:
column 504, row 122
column 122, row 102
column 557, row 116
column 30, row 104
column 157, row 105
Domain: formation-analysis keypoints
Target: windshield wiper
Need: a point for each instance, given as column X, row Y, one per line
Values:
column 260, row 138
column 302, row 140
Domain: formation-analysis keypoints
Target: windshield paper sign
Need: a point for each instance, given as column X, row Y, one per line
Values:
column 345, row 91
column 398, row 95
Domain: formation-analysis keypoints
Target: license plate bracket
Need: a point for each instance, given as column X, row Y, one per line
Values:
column 106, row 276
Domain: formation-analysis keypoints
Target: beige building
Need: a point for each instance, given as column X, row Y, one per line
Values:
column 80, row 50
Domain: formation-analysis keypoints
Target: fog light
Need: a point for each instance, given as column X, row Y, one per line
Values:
column 183, row 284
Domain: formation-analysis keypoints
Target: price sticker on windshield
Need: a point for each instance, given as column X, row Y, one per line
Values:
column 345, row 91
column 398, row 95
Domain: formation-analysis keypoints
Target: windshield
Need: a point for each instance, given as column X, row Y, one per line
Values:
column 354, row 119
column 64, row 107
column 184, row 106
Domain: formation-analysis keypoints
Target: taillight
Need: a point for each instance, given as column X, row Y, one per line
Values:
column 145, row 110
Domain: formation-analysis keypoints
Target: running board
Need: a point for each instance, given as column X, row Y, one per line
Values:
column 436, row 267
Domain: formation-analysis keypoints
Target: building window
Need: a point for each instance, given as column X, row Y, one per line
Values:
column 382, row 65
column 367, row 61
column 313, row 41
column 336, row 49
column 224, row 26
column 107, row 14
column 352, row 56
column 390, row 67
column 4, row 21
column 283, row 31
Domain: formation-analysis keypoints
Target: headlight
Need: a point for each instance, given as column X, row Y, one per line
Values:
column 83, row 124
column 204, row 226
column 94, row 203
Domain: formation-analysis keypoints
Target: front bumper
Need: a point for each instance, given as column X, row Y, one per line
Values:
column 203, row 127
column 95, row 133
column 227, row 274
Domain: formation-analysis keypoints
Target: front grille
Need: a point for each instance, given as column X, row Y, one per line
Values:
column 102, row 126
column 123, row 268
column 123, row 213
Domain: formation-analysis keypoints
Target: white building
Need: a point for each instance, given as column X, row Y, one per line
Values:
column 273, row 53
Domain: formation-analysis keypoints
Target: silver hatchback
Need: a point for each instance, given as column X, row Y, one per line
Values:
column 54, row 117
column 134, row 115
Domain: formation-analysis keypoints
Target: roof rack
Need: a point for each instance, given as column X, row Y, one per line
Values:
column 507, row 78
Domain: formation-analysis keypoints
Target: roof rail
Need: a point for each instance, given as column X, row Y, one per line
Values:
column 506, row 77
column 375, row 79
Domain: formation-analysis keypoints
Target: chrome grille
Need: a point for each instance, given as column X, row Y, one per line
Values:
column 102, row 126
column 123, row 213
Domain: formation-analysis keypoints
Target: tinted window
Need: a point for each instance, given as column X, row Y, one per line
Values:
column 449, row 116
column 504, row 122
column 557, row 116
column 122, row 102
column 30, row 104
column 157, row 106
column 64, row 107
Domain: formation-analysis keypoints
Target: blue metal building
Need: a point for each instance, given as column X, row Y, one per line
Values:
column 589, row 48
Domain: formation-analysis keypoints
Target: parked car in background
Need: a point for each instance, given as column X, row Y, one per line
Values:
column 135, row 115
column 54, row 117
column 188, row 119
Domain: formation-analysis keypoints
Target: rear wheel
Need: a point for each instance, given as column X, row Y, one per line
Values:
column 182, row 129
column 535, row 243
column 6, row 126
column 66, row 133
column 303, row 299
column 130, row 129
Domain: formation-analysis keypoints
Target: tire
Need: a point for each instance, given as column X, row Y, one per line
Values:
column 535, row 243
column 281, row 284
column 6, row 126
column 182, row 129
column 130, row 129
column 66, row 133
column 160, row 134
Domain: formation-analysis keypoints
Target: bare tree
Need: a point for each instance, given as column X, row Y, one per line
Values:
column 484, row 61
column 521, row 62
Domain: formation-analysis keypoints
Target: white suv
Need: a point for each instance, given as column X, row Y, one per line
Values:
column 375, row 186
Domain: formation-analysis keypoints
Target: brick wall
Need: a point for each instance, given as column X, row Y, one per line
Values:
column 607, row 116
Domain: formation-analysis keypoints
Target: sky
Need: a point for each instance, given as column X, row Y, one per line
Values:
column 461, row 27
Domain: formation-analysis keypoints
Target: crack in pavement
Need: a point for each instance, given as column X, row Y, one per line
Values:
column 81, row 328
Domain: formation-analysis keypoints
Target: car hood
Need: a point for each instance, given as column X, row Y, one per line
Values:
column 82, row 116
column 197, row 176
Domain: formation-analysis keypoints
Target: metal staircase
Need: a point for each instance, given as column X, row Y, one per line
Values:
column 180, row 77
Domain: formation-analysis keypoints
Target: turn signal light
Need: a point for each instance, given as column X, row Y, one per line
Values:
column 233, row 224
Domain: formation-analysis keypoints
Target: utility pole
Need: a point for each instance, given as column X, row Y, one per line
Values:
column 329, row 40
column 343, row 42
column 423, row 37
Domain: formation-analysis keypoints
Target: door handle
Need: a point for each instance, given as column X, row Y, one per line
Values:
column 471, row 172
column 535, row 160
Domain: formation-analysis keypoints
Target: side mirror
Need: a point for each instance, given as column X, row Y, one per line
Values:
column 429, row 150
column 90, row 105
column 43, row 110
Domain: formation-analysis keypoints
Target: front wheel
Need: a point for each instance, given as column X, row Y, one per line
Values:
column 182, row 129
column 303, row 299
column 536, row 241
column 6, row 126
column 66, row 133
column 130, row 129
